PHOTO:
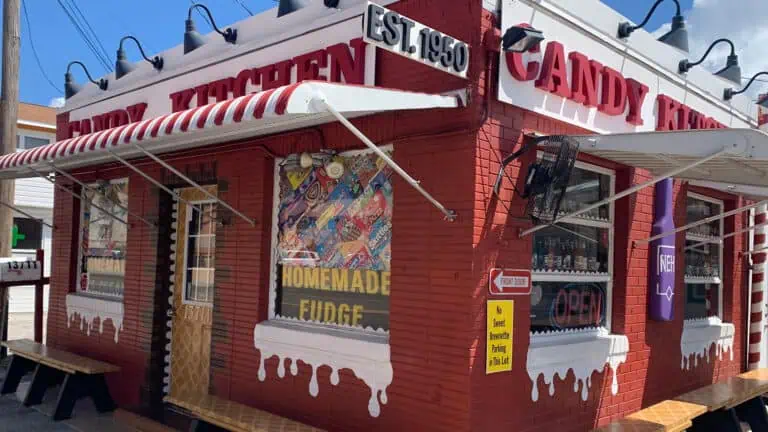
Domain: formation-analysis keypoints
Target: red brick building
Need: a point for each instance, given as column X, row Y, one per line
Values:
column 305, row 276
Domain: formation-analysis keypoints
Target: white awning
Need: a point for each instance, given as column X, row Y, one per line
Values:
column 745, row 161
column 286, row 108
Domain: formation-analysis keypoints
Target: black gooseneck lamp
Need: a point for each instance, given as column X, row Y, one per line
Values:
column 123, row 66
column 521, row 38
column 194, row 40
column 677, row 36
column 71, row 87
column 730, row 93
column 731, row 71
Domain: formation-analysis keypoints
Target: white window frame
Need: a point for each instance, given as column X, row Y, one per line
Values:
column 698, row 239
column 375, row 335
column 78, row 289
column 23, row 133
column 184, row 299
column 607, row 279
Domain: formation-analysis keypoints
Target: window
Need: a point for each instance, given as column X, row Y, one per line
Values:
column 572, row 261
column 104, row 239
column 24, row 142
column 703, row 258
column 200, row 251
column 333, row 235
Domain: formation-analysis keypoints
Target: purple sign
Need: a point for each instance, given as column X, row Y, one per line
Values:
column 662, row 255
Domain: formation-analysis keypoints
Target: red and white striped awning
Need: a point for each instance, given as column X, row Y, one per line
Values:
column 285, row 108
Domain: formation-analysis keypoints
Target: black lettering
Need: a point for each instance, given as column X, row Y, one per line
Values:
column 446, row 58
column 391, row 31
column 374, row 22
column 460, row 57
column 406, row 41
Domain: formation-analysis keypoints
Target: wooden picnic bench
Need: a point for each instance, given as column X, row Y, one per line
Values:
column 731, row 401
column 209, row 410
column 666, row 416
column 79, row 376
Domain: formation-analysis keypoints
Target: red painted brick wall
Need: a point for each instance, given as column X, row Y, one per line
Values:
column 652, row 371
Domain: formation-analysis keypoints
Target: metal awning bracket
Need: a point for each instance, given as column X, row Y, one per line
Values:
column 450, row 215
column 22, row 212
column 194, row 184
column 76, row 195
column 90, row 188
column 629, row 191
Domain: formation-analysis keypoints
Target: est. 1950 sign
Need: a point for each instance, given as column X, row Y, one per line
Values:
column 398, row 34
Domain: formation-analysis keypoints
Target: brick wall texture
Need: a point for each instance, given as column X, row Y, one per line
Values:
column 439, row 271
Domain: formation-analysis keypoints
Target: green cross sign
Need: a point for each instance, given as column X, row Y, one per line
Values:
column 17, row 236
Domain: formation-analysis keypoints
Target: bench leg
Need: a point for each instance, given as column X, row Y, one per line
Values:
column 70, row 392
column 720, row 420
column 198, row 425
column 99, row 392
column 753, row 412
column 43, row 379
column 16, row 370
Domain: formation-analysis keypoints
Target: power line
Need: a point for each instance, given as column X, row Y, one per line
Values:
column 99, row 56
column 85, row 20
column 201, row 14
column 34, row 50
column 240, row 2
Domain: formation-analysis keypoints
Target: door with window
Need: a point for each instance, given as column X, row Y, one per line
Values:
column 192, row 300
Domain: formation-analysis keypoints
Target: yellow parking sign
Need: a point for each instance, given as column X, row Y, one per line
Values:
column 499, row 336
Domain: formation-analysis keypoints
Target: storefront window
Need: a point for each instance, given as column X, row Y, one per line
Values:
column 571, row 261
column 200, row 250
column 703, row 258
column 334, row 233
column 104, row 239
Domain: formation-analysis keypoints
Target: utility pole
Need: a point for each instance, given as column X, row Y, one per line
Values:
column 9, row 111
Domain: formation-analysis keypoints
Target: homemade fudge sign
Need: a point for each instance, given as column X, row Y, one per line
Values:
column 393, row 32
column 503, row 282
column 499, row 341
column 336, row 296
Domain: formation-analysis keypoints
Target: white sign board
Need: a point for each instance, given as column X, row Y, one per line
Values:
column 15, row 270
column 565, row 78
column 393, row 32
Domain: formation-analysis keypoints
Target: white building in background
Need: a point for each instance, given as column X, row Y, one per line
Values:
column 36, row 126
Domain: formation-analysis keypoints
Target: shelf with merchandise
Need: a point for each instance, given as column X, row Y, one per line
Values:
column 700, row 238
column 714, row 280
column 569, row 276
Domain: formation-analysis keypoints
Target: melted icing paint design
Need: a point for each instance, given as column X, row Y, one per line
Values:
column 553, row 355
column 699, row 335
column 89, row 308
column 369, row 361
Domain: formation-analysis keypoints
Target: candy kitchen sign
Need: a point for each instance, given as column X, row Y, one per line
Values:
column 336, row 54
column 573, row 77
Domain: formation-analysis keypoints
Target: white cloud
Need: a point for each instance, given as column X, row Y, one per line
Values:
column 745, row 22
column 56, row 102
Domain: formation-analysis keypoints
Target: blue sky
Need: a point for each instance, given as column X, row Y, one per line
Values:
column 158, row 24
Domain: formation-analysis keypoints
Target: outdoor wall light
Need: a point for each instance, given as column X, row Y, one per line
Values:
column 71, row 87
column 731, row 71
column 521, row 38
column 287, row 6
column 677, row 36
column 194, row 40
column 730, row 93
column 123, row 66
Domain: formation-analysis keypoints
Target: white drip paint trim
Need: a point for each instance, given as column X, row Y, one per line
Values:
column 368, row 360
column 88, row 308
column 699, row 335
column 581, row 351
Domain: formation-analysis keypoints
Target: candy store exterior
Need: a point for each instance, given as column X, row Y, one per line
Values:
column 304, row 220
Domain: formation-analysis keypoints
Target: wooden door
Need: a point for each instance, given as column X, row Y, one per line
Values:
column 192, row 307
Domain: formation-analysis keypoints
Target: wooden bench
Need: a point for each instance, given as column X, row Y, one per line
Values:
column 79, row 376
column 731, row 401
column 666, row 416
column 210, row 410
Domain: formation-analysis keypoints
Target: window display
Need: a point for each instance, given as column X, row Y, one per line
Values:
column 703, row 258
column 571, row 261
column 200, row 250
column 104, row 239
column 334, row 231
